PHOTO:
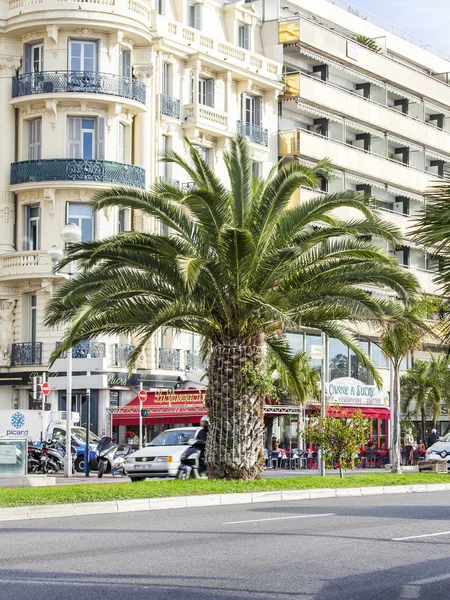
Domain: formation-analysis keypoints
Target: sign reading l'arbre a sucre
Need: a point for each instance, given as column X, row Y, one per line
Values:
column 347, row 391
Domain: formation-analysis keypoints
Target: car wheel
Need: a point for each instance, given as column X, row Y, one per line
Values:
column 79, row 464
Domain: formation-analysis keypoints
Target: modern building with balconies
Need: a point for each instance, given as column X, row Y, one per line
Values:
column 90, row 94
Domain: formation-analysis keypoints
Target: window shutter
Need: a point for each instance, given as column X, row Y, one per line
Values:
column 101, row 138
column 247, row 37
column 121, row 155
column 98, row 45
column 198, row 16
column 27, row 58
column 38, row 138
column 258, row 111
column 74, row 137
column 210, row 92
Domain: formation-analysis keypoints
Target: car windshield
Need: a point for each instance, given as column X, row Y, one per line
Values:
column 445, row 438
column 173, row 437
column 80, row 435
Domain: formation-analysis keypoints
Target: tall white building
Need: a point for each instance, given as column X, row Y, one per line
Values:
column 90, row 94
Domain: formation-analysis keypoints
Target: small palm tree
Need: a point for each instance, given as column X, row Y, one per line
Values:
column 368, row 43
column 238, row 267
column 420, row 392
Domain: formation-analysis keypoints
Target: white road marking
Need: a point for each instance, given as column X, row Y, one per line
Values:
column 416, row 537
column 280, row 518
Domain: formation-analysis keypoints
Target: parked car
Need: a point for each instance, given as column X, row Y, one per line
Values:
column 440, row 450
column 162, row 456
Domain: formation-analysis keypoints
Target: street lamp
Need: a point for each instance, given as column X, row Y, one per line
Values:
column 70, row 234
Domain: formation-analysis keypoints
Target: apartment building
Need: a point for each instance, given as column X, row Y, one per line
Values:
column 90, row 94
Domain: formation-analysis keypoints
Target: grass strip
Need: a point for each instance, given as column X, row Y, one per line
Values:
column 69, row 494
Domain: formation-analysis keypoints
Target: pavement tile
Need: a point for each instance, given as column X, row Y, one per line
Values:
column 91, row 508
column 133, row 505
column 161, row 503
column 436, row 487
column 323, row 493
column 395, row 489
column 267, row 496
column 246, row 498
column 14, row 513
column 51, row 510
column 417, row 488
column 348, row 492
column 212, row 500
column 372, row 491
column 296, row 495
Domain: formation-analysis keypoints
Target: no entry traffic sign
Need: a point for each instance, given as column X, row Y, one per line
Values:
column 142, row 395
column 45, row 389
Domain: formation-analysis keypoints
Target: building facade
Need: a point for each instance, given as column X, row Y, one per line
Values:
column 91, row 94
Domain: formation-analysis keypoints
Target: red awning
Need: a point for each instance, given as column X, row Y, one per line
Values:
column 369, row 412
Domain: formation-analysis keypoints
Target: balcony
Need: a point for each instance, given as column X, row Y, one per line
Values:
column 77, row 169
column 84, row 82
column 425, row 279
column 168, row 106
column 169, row 359
column 169, row 180
column 90, row 349
column 24, row 265
column 206, row 118
column 120, row 354
column 26, row 353
column 349, row 158
column 193, row 362
column 254, row 133
column 237, row 59
column 345, row 101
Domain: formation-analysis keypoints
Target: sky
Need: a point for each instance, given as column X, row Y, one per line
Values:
column 428, row 20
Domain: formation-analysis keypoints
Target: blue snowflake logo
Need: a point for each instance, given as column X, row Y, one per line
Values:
column 18, row 420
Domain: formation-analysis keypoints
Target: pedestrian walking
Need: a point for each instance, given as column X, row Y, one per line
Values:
column 409, row 447
column 433, row 437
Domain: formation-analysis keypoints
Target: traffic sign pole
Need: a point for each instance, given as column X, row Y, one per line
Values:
column 45, row 392
column 142, row 397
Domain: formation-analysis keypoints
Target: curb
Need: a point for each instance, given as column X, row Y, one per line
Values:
column 44, row 511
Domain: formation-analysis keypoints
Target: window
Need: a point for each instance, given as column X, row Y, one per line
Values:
column 206, row 92
column 166, row 79
column 252, row 109
column 244, row 36
column 125, row 64
column 121, row 149
column 122, row 220
column 338, row 359
column 357, row 369
column 32, row 228
column 378, row 357
column 296, row 342
column 86, row 138
column 204, row 153
column 34, row 139
column 195, row 15
column 81, row 215
column 33, row 58
column 32, row 321
column 160, row 7
column 313, row 340
column 256, row 169
column 83, row 56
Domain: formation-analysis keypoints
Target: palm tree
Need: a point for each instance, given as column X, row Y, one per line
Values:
column 238, row 267
column 397, row 340
column 420, row 392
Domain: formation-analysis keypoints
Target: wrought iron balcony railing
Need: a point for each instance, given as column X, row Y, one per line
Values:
column 255, row 133
column 120, row 353
column 26, row 353
column 164, row 179
column 87, row 350
column 169, row 106
column 88, row 82
column 170, row 359
column 77, row 169
column 190, row 186
column 194, row 362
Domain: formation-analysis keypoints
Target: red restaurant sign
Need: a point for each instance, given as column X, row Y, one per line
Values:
column 173, row 398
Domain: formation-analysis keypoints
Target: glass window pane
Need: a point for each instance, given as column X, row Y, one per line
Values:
column 89, row 51
column 313, row 340
column 88, row 145
column 295, row 341
column 88, row 124
column 86, row 230
column 79, row 210
column 358, row 371
column 338, row 359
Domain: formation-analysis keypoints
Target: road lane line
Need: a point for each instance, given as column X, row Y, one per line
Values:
column 416, row 537
column 280, row 518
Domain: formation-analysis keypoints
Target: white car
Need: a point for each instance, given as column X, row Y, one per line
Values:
column 440, row 450
column 162, row 457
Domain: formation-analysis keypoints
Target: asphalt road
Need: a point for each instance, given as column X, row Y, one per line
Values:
column 346, row 549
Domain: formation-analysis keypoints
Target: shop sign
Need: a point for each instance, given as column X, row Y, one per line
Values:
column 316, row 352
column 113, row 399
column 176, row 398
column 347, row 391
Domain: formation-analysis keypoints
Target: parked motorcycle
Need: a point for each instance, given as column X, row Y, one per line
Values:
column 111, row 457
column 193, row 461
column 35, row 463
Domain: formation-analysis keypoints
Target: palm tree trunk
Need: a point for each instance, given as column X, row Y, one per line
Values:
column 396, row 453
column 424, row 426
column 236, row 409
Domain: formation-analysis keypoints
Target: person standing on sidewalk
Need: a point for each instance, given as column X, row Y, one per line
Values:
column 409, row 447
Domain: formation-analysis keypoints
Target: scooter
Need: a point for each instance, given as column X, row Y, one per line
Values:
column 111, row 457
column 193, row 461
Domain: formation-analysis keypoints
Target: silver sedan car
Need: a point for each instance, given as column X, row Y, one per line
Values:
column 162, row 457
